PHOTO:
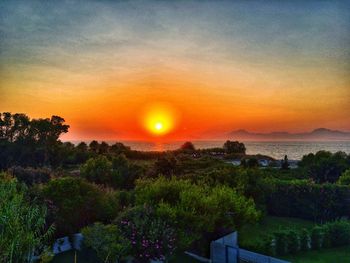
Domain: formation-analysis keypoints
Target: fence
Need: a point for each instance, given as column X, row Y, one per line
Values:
column 252, row 257
column 226, row 250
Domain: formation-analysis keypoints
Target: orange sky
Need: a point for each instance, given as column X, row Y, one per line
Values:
column 214, row 65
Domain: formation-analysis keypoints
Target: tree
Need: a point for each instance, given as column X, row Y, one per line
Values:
column 325, row 166
column 78, row 203
column 82, row 147
column 124, row 172
column 94, row 146
column 22, row 223
column 344, row 179
column 82, row 153
column 188, row 147
column 97, row 170
column 107, row 241
column 285, row 163
column 165, row 165
column 119, row 148
column 234, row 147
column 29, row 142
column 31, row 176
column 195, row 209
column 104, row 148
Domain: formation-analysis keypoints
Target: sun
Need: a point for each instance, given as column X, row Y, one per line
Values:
column 159, row 126
column 159, row 119
column 159, row 123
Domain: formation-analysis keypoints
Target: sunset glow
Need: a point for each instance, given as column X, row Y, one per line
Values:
column 217, row 66
column 159, row 119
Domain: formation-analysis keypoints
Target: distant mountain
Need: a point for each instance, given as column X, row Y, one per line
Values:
column 317, row 134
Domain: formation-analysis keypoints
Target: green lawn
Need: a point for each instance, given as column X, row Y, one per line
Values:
column 331, row 255
column 252, row 234
column 68, row 257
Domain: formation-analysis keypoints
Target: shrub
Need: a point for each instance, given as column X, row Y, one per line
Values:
column 325, row 166
column 46, row 256
column 303, row 199
column 317, row 237
column 293, row 241
column 196, row 209
column 97, row 170
column 23, row 227
column 31, row 176
column 150, row 236
column 305, row 241
column 281, row 242
column 78, row 203
column 338, row 233
column 344, row 179
column 107, row 241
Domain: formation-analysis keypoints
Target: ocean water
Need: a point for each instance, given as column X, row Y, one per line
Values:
column 294, row 150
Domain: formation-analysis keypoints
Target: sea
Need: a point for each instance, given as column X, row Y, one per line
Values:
column 276, row 149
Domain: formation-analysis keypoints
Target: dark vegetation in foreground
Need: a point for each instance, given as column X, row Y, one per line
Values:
column 152, row 205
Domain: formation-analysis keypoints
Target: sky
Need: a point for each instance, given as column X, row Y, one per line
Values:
column 207, row 67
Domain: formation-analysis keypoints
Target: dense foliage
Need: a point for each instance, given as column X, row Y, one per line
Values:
column 344, row 179
column 324, row 166
column 23, row 226
column 289, row 241
column 153, row 204
column 303, row 199
column 107, row 241
column 196, row 209
column 151, row 237
column 29, row 142
column 76, row 203
column 117, row 173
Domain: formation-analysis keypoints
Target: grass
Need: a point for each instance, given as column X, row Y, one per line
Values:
column 251, row 235
column 68, row 257
column 340, row 255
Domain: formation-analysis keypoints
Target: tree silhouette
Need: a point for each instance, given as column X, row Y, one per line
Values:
column 234, row 147
column 188, row 146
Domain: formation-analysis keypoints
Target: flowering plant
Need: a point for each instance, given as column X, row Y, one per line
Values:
column 150, row 236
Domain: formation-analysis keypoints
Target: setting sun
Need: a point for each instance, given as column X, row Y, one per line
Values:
column 159, row 119
column 159, row 126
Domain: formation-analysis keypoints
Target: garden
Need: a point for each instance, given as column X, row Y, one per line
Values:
column 157, row 205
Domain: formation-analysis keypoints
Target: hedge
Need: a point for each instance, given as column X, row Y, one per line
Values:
column 290, row 241
column 306, row 200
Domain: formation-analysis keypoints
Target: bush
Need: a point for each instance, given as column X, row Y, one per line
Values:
column 293, row 241
column 46, row 256
column 107, row 241
column 118, row 173
column 196, row 209
column 31, row 176
column 317, row 237
column 97, row 170
column 281, row 240
column 338, row 233
column 151, row 237
column 23, row 226
column 325, row 166
column 306, row 200
column 344, row 179
column 305, row 241
column 76, row 203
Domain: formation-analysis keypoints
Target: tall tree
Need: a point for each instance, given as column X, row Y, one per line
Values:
column 234, row 147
